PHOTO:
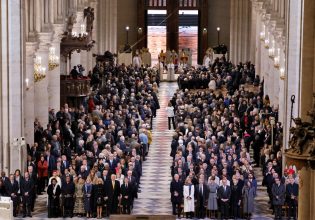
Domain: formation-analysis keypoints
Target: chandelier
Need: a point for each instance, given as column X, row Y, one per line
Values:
column 271, row 50
column 277, row 59
column 39, row 71
column 81, row 35
column 262, row 34
column 53, row 59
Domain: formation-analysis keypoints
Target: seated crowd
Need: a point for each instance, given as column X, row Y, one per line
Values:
column 90, row 157
column 213, row 171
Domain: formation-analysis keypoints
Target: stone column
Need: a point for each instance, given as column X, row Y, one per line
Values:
column 54, row 75
column 107, row 26
column 29, row 98
column 293, row 65
column 11, row 84
column 239, row 30
column 41, row 87
column 94, row 4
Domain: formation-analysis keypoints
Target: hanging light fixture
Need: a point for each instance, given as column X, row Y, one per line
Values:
column 277, row 59
column 262, row 34
column 271, row 50
column 39, row 71
column 267, row 40
column 53, row 59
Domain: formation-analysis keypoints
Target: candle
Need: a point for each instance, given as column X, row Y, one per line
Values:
column 26, row 81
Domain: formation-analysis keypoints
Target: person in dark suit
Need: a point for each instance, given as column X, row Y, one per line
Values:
column 12, row 189
column 112, row 164
column 292, row 193
column 133, row 183
column 126, row 196
column 278, row 197
column 68, row 190
column 51, row 160
column 53, row 192
column 112, row 194
column 176, row 190
column 64, row 164
column 236, row 197
column 201, row 196
column 33, row 177
column 4, row 177
column 27, row 191
column 224, row 195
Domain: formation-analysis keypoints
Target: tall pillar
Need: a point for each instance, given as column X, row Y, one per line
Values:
column 107, row 26
column 54, row 75
column 293, row 65
column 11, row 83
column 41, row 87
column 172, row 25
column 239, row 30
column 29, row 102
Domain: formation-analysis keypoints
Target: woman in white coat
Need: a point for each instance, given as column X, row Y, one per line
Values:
column 189, row 198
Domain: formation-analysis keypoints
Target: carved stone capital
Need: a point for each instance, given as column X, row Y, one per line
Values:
column 44, row 40
column 31, row 48
column 58, row 31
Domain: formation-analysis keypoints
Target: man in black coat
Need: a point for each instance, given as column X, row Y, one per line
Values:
column 12, row 188
column 292, row 192
column 224, row 194
column 68, row 190
column 176, row 190
column 33, row 177
column 112, row 191
column 27, row 192
column 201, row 196
column 126, row 192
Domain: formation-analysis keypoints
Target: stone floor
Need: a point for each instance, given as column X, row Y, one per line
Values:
column 155, row 197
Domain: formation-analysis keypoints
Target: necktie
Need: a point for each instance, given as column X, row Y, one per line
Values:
column 113, row 184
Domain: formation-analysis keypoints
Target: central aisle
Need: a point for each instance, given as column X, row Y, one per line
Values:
column 155, row 181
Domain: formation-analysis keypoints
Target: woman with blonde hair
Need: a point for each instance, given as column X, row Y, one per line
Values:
column 79, row 203
column 189, row 198
column 99, row 197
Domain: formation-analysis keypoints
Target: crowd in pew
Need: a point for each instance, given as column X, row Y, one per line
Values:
column 88, row 160
column 213, row 170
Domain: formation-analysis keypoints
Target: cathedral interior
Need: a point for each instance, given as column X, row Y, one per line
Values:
column 157, row 109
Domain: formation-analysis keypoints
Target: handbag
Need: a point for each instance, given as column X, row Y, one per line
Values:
column 99, row 201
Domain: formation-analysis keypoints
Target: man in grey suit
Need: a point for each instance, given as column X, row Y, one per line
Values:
column 278, row 197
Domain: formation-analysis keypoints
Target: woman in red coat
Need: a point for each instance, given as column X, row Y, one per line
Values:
column 42, row 167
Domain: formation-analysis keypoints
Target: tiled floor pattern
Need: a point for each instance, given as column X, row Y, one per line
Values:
column 155, row 197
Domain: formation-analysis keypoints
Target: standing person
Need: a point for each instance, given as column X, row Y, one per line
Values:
column 99, row 194
column 18, row 179
column 292, row 193
column 68, row 190
column 201, row 195
column 42, row 169
column 53, row 192
column 278, row 197
column 176, row 194
column 249, row 192
column 170, row 115
column 27, row 192
column 236, row 197
column 212, row 199
column 78, row 204
column 33, row 176
column 189, row 198
column 113, row 192
column 224, row 195
column 126, row 196
column 12, row 189
column 87, row 191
